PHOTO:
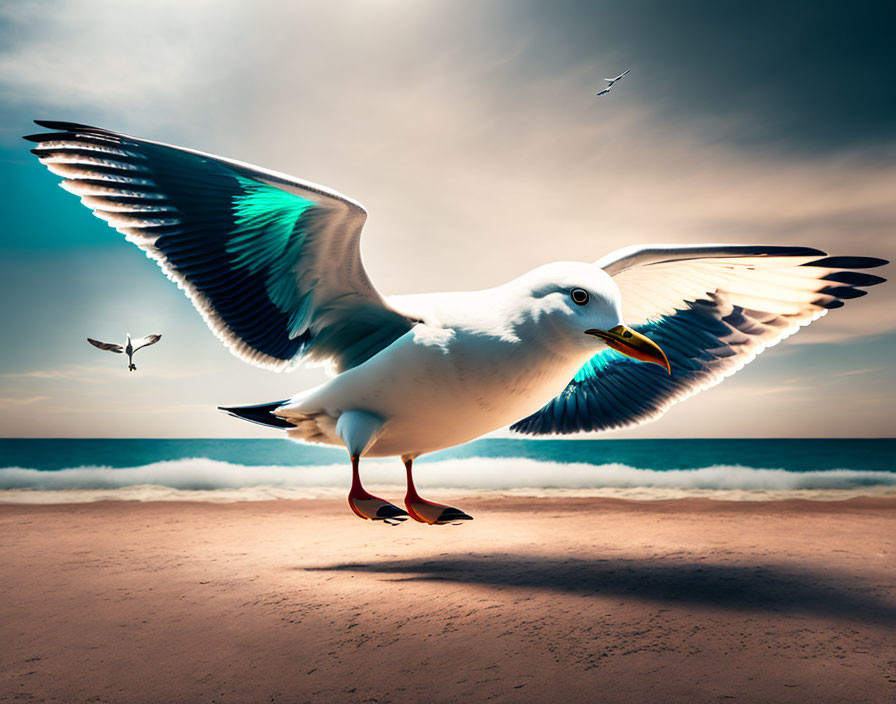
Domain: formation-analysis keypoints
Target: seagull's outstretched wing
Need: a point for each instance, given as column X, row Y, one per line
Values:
column 271, row 262
column 603, row 92
column 107, row 346
column 611, row 81
column 712, row 309
column 141, row 342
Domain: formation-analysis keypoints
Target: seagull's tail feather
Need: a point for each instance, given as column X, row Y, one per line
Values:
column 263, row 414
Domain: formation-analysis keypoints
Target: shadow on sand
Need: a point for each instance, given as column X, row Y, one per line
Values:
column 757, row 587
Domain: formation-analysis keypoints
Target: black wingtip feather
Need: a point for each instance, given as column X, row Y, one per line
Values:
column 854, row 278
column 849, row 262
column 263, row 414
column 845, row 292
column 67, row 126
column 786, row 251
column 828, row 303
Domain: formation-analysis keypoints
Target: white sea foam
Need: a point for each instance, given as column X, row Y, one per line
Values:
column 495, row 474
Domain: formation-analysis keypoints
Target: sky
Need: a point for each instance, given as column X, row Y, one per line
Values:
column 471, row 133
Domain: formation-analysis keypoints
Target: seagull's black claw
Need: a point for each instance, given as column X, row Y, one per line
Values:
column 373, row 508
column 434, row 514
column 391, row 512
column 452, row 515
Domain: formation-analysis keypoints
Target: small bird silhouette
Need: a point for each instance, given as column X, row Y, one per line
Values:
column 129, row 347
column 611, row 81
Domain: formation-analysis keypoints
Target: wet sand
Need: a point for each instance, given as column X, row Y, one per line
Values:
column 537, row 600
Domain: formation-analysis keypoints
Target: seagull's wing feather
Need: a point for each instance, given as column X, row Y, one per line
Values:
column 107, row 346
column 272, row 263
column 146, row 341
column 711, row 309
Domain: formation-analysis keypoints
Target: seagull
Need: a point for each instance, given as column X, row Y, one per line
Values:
column 130, row 346
column 611, row 81
column 273, row 265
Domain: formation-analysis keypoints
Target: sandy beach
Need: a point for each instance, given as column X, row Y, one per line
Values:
column 537, row 600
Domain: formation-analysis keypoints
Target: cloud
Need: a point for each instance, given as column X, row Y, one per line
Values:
column 60, row 51
column 474, row 139
column 788, row 389
column 855, row 372
column 69, row 372
column 9, row 402
column 91, row 374
column 132, row 409
column 759, row 74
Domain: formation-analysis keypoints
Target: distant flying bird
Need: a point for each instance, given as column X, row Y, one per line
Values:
column 274, row 267
column 129, row 347
column 611, row 81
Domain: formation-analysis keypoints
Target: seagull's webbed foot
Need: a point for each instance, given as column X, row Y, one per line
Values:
column 435, row 514
column 373, row 508
column 428, row 511
column 369, row 507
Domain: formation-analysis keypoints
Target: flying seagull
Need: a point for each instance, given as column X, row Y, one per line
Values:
column 611, row 81
column 129, row 347
column 273, row 265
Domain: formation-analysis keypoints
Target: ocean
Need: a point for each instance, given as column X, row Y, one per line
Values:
column 742, row 465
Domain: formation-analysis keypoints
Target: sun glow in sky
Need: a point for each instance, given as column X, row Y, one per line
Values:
column 471, row 133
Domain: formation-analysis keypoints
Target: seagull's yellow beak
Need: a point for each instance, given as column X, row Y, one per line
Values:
column 633, row 344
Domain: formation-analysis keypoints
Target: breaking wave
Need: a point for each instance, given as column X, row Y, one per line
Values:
column 504, row 473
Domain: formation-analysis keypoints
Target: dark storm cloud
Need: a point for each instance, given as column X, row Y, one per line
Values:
column 795, row 75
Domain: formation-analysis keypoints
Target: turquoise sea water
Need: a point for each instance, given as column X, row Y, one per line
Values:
column 798, row 455
column 487, row 463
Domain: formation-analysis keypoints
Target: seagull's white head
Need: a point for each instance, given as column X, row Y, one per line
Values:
column 578, row 306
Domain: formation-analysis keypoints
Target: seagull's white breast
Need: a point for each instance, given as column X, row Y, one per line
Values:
column 439, row 386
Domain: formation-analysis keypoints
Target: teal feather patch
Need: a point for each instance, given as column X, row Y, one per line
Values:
column 594, row 366
column 270, row 227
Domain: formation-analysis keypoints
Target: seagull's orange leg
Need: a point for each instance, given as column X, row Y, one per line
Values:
column 426, row 511
column 368, row 506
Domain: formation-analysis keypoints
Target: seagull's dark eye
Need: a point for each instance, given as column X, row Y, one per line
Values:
column 579, row 296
